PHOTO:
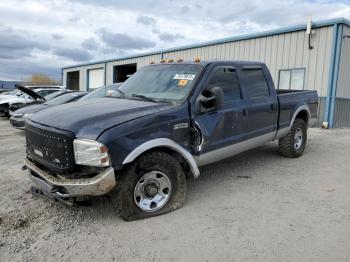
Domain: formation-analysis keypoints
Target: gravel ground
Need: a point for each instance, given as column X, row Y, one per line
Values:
column 257, row 206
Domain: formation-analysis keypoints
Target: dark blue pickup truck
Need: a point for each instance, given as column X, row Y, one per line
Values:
column 158, row 128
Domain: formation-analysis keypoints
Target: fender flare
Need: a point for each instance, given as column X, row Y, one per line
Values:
column 164, row 142
column 299, row 109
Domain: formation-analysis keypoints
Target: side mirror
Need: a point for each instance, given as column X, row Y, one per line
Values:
column 210, row 100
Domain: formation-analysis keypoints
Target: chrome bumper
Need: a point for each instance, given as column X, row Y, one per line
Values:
column 100, row 184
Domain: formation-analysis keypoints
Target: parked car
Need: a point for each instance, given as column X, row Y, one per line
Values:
column 23, row 97
column 163, row 123
column 8, row 94
column 17, row 106
column 20, row 116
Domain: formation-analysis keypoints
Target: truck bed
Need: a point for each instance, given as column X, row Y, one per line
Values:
column 290, row 100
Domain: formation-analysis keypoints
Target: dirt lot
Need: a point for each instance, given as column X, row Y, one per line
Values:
column 256, row 206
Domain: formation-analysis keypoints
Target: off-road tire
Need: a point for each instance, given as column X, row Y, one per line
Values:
column 152, row 161
column 287, row 144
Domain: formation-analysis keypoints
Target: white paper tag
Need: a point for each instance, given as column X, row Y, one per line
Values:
column 184, row 77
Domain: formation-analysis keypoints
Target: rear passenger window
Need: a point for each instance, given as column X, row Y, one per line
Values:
column 256, row 85
column 226, row 78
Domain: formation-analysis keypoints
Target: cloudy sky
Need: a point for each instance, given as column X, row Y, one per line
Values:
column 44, row 35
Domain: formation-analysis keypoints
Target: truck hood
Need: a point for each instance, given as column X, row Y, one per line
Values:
column 2, row 97
column 88, row 119
column 31, row 109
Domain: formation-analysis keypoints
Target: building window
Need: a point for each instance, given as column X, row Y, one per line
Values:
column 291, row 79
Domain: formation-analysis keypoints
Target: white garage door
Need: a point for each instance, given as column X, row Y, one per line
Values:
column 96, row 78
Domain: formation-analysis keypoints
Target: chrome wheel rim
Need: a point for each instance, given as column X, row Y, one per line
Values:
column 152, row 191
column 298, row 138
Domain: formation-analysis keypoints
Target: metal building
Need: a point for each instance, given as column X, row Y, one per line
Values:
column 298, row 58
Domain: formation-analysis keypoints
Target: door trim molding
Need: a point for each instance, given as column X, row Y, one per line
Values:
column 231, row 150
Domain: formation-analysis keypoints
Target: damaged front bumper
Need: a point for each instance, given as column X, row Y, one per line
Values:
column 64, row 188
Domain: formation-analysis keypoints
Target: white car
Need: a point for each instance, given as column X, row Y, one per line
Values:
column 8, row 94
column 21, row 98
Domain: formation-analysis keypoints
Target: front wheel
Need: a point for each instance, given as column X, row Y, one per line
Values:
column 293, row 144
column 153, row 185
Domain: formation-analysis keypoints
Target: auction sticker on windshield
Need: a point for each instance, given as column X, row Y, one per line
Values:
column 184, row 77
column 182, row 82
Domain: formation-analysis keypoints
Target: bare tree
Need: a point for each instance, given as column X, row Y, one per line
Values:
column 40, row 79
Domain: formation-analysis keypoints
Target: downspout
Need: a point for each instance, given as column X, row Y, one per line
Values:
column 105, row 74
column 331, row 79
column 62, row 77
column 336, row 74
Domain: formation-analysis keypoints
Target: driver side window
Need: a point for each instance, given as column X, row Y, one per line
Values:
column 226, row 78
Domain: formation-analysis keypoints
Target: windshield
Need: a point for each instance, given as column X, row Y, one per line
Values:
column 102, row 91
column 62, row 99
column 162, row 82
column 55, row 94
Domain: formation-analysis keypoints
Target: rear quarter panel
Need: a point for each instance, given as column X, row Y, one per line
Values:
column 289, row 102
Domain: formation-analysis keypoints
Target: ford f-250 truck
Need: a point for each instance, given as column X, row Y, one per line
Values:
column 159, row 127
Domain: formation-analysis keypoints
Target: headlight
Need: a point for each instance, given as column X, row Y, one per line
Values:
column 90, row 153
column 17, row 115
column 27, row 115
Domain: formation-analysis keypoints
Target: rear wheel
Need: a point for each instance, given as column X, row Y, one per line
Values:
column 154, row 185
column 293, row 144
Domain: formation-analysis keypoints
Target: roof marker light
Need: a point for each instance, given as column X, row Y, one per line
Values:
column 197, row 60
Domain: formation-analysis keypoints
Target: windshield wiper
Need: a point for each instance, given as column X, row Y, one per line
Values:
column 144, row 97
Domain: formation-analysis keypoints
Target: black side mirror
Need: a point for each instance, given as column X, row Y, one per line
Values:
column 210, row 100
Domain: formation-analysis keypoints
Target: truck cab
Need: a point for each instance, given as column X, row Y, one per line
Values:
column 158, row 129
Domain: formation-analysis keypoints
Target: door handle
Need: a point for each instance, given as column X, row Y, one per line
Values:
column 272, row 107
column 245, row 111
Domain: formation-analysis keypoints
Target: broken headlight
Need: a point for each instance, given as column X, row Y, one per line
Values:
column 90, row 153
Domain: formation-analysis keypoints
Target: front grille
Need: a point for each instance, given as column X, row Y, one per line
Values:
column 4, row 108
column 50, row 147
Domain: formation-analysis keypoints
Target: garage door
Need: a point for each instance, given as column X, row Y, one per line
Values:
column 96, row 78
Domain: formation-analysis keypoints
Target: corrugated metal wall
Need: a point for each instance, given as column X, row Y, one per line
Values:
column 342, row 103
column 281, row 51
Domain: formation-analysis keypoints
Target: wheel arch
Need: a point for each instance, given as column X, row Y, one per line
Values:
column 169, row 146
column 302, row 112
